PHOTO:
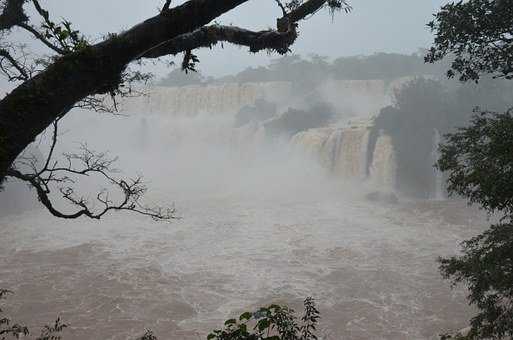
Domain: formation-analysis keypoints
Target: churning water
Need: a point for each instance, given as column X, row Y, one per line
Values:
column 259, row 225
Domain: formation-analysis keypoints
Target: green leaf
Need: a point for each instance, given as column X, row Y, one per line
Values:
column 245, row 316
column 230, row 322
column 63, row 35
column 263, row 324
column 243, row 328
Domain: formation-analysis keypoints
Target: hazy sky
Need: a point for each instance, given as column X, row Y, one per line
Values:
column 373, row 26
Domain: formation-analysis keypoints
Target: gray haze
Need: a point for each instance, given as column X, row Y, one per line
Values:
column 373, row 26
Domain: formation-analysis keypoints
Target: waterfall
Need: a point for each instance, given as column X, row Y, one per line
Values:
column 438, row 192
column 331, row 149
column 192, row 100
column 343, row 151
column 203, row 113
column 354, row 98
column 383, row 170
column 349, row 153
column 314, row 144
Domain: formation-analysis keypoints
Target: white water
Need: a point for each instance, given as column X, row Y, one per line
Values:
column 260, row 224
column 343, row 151
column 383, row 171
column 371, row 268
column 196, row 99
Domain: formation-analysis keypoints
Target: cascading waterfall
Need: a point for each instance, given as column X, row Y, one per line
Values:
column 314, row 143
column 438, row 190
column 349, row 152
column 383, row 170
column 331, row 149
column 192, row 100
column 343, row 151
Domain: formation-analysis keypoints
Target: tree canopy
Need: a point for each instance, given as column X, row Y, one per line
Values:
column 478, row 35
column 314, row 69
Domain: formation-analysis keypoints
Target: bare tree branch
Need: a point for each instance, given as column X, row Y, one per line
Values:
column 86, row 163
column 23, row 73
column 282, row 7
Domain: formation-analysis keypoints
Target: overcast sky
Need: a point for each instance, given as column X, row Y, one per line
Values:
column 373, row 26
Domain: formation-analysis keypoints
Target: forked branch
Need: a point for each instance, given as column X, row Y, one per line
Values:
column 87, row 163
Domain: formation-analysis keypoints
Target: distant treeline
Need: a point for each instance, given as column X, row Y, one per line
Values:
column 316, row 68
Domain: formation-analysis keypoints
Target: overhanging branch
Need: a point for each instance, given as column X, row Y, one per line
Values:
column 278, row 40
column 211, row 35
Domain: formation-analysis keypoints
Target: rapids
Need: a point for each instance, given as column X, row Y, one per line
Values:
column 260, row 223
column 371, row 268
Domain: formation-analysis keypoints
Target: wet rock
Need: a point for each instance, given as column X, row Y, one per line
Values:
column 382, row 197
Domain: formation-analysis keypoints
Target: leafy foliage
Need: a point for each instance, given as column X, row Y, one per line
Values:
column 52, row 332
column 63, row 35
column 148, row 336
column 189, row 62
column 268, row 323
column 487, row 268
column 12, row 330
column 8, row 329
column 271, row 323
column 479, row 160
column 479, row 34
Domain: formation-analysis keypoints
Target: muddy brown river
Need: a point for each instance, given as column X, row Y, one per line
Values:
column 371, row 267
